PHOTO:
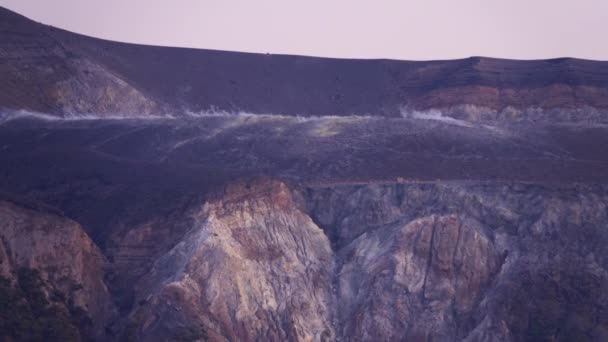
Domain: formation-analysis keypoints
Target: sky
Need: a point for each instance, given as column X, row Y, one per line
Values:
column 396, row 29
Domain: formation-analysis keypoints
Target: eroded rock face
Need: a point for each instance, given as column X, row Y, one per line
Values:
column 429, row 262
column 93, row 90
column 44, row 73
column 420, row 280
column 51, row 257
column 264, row 260
column 254, row 267
column 441, row 262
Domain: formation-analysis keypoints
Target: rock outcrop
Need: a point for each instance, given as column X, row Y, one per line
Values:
column 417, row 281
column 451, row 262
column 443, row 262
column 253, row 267
column 42, row 72
column 264, row 259
column 52, row 278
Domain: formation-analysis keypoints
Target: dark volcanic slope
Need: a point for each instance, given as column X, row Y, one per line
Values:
column 49, row 70
column 100, row 171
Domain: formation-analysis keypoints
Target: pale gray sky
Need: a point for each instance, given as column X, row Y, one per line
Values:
column 424, row 29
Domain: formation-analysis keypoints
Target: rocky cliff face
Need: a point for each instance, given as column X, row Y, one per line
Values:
column 468, row 262
column 253, row 267
column 441, row 262
column 52, row 278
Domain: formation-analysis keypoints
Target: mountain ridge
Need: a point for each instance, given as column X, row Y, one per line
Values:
column 77, row 74
column 8, row 14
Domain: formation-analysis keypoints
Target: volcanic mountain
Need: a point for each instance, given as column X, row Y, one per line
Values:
column 159, row 194
column 74, row 74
